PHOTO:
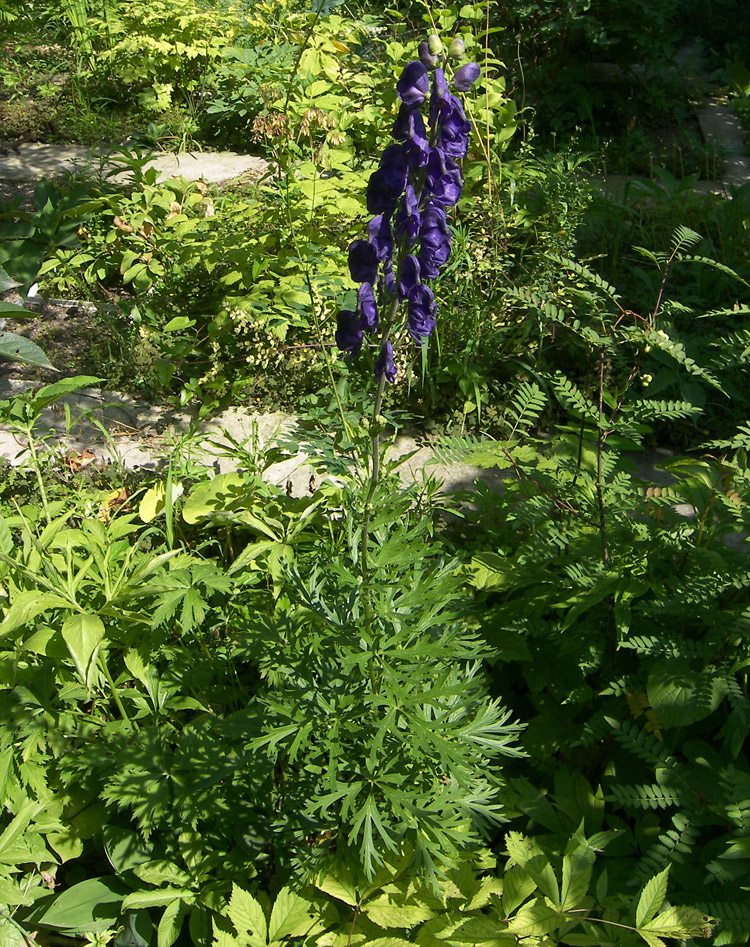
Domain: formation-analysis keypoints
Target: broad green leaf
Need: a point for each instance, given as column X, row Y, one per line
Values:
column 156, row 898
column 18, row 825
column 124, row 849
column 83, row 634
column 652, row 897
column 341, row 888
column 672, row 691
column 290, row 916
column 11, row 934
column 91, row 905
column 26, row 606
column 679, row 922
column 58, row 389
column 384, row 912
column 534, row 919
column 651, row 939
column 170, row 923
column 160, row 871
column 224, row 494
column 576, row 875
column 20, row 349
column 248, row 917
column 6, row 539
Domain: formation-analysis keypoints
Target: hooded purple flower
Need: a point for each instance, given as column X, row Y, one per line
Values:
column 381, row 237
column 422, row 313
column 387, row 184
column 408, row 218
column 453, row 129
column 440, row 96
column 443, row 179
column 465, row 77
column 435, row 241
column 367, row 307
column 348, row 332
column 363, row 262
column 410, row 129
column 385, row 363
column 409, row 276
column 414, row 83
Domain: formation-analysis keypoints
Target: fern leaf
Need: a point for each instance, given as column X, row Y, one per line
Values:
column 583, row 271
column 683, row 238
column 645, row 797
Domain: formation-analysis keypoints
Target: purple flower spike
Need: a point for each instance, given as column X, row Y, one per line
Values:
column 367, row 307
column 363, row 262
column 465, row 77
column 386, row 364
column 414, row 83
column 409, row 276
column 348, row 332
column 422, row 313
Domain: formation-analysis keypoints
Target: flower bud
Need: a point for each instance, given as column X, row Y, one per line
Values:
column 457, row 48
column 426, row 57
column 434, row 44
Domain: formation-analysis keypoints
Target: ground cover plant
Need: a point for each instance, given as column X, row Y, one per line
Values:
column 376, row 714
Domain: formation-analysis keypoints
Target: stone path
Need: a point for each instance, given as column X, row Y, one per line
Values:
column 141, row 436
column 31, row 162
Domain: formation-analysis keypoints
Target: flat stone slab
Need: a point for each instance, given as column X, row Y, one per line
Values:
column 721, row 126
column 32, row 162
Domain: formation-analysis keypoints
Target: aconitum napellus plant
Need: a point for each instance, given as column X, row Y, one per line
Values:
column 416, row 184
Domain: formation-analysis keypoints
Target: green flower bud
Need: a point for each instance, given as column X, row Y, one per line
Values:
column 457, row 48
column 434, row 44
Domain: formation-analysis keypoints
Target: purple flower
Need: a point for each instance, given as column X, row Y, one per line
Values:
column 453, row 129
column 440, row 96
column 414, row 83
column 363, row 262
column 409, row 276
column 435, row 241
column 443, row 179
column 408, row 219
column 367, row 307
column 422, row 313
column 389, row 278
column 381, row 237
column 348, row 332
column 465, row 77
column 387, row 183
column 410, row 129
column 385, row 363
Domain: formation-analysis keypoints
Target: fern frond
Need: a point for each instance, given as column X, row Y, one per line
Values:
column 732, row 313
column 645, row 797
column 674, row 845
column 640, row 743
column 649, row 409
column 676, row 350
column 529, row 401
column 684, row 238
column 714, row 264
column 583, row 271
column 572, row 400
